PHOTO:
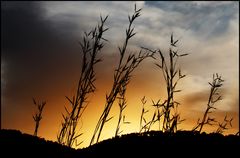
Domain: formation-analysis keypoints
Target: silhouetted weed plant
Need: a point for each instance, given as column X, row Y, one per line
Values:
column 122, row 105
column 142, row 118
column 37, row 117
column 90, row 47
column 172, row 74
column 156, row 116
column 122, row 78
column 224, row 125
column 170, row 71
column 214, row 97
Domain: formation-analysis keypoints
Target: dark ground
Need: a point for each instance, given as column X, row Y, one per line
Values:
column 152, row 144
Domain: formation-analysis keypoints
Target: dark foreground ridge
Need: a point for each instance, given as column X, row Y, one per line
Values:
column 14, row 143
column 151, row 144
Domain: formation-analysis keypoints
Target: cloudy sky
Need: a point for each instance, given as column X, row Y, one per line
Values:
column 40, row 58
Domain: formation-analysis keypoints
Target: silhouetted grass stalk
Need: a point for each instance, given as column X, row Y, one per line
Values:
column 224, row 125
column 157, row 112
column 38, row 115
column 122, row 77
column 90, row 47
column 169, row 71
column 142, row 118
column 122, row 105
column 213, row 98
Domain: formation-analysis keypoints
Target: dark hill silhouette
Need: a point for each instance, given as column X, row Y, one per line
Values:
column 151, row 144
column 159, row 144
column 14, row 143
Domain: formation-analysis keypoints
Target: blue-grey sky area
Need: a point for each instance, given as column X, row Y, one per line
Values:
column 40, row 55
column 197, row 14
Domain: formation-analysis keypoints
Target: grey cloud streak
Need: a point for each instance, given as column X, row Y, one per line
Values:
column 199, row 17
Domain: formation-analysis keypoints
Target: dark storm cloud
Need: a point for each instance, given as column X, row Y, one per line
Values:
column 24, row 28
column 34, row 48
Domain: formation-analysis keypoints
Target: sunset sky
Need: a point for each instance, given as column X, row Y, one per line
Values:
column 40, row 58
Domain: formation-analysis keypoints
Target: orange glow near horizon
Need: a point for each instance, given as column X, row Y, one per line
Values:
column 140, row 85
column 50, row 124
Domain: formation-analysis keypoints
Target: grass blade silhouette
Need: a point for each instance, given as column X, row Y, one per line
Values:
column 223, row 126
column 37, row 117
column 169, row 70
column 90, row 47
column 213, row 98
column 122, row 77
